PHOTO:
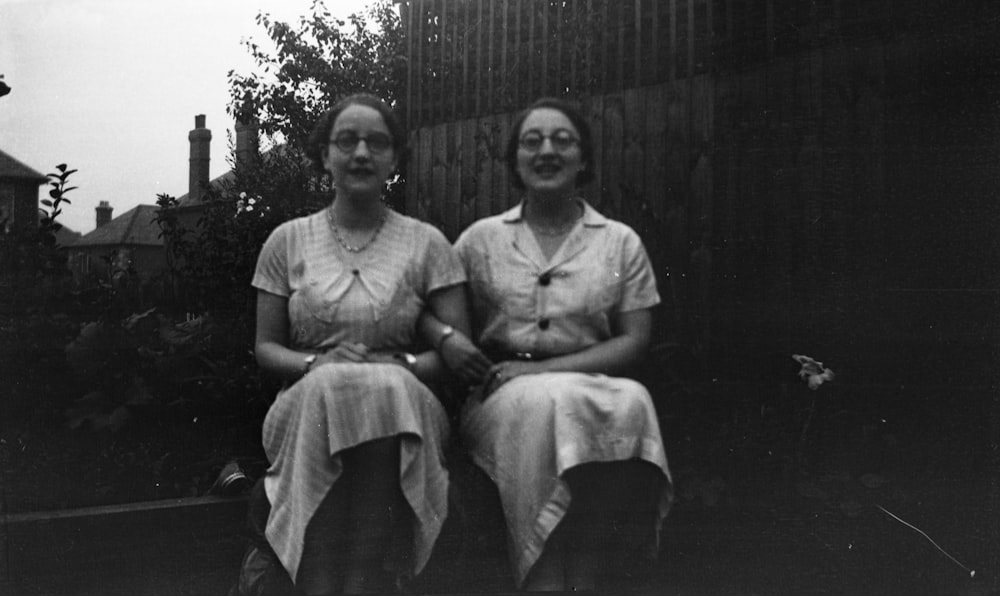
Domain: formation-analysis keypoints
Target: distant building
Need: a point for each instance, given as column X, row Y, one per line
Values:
column 128, row 244
column 18, row 192
column 132, row 243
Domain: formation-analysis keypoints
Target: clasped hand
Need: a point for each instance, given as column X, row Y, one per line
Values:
column 353, row 352
column 475, row 369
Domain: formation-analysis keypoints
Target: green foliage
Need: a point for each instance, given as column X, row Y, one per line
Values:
column 150, row 366
column 312, row 65
column 317, row 62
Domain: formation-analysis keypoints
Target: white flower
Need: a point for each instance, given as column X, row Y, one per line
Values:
column 812, row 371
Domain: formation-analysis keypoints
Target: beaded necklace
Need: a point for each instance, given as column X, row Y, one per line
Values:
column 343, row 243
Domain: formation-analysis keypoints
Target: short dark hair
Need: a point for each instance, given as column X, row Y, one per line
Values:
column 579, row 122
column 319, row 139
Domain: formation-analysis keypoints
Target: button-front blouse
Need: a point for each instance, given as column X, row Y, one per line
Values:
column 523, row 302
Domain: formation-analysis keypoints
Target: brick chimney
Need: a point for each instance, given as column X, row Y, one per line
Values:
column 103, row 210
column 247, row 144
column 201, row 139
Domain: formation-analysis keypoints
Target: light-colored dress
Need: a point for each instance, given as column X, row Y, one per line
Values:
column 535, row 427
column 374, row 297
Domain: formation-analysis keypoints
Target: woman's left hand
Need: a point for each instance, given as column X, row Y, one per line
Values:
column 502, row 372
column 464, row 358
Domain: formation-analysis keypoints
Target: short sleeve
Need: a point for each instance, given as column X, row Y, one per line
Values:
column 441, row 266
column 639, row 290
column 271, row 274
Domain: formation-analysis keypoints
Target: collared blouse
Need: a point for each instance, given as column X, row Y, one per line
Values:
column 374, row 296
column 523, row 302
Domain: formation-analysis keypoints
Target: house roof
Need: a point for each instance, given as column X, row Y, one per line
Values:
column 11, row 168
column 217, row 183
column 134, row 227
column 223, row 182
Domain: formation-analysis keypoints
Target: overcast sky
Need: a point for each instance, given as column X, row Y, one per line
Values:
column 112, row 87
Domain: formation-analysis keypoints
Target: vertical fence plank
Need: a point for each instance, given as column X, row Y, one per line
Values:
column 442, row 31
column 595, row 116
column 769, row 28
column 417, row 40
column 655, row 179
column 701, row 208
column 468, row 149
column 452, row 192
column 530, row 53
column 468, row 48
column 413, row 177
column 559, row 26
column 484, row 166
column 637, row 57
column 611, row 161
column 480, row 31
column 588, row 59
column 439, row 178
column 691, row 39
column 454, row 62
column 502, row 187
column 406, row 16
column 425, row 163
column 672, row 26
column 505, row 78
column 491, row 59
column 543, row 44
column 633, row 153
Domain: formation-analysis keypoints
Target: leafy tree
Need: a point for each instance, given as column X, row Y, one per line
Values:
column 311, row 66
column 317, row 62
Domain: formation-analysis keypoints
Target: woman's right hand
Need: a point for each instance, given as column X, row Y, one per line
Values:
column 464, row 359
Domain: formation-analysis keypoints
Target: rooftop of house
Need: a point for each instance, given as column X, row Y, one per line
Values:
column 218, row 183
column 12, row 168
column 136, row 227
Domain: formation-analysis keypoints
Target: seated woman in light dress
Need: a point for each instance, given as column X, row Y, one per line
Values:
column 561, row 300
column 356, row 483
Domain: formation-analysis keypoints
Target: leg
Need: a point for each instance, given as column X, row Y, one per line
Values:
column 548, row 574
column 614, row 505
column 323, row 553
column 376, row 504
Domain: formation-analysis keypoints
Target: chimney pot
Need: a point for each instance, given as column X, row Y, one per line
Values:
column 103, row 210
column 247, row 143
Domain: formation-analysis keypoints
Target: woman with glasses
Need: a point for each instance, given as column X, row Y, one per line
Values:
column 561, row 300
column 356, row 483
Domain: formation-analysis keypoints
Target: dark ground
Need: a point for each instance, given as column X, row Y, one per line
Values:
column 770, row 498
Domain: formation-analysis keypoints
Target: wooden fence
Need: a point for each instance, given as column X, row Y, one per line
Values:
column 780, row 192
column 473, row 57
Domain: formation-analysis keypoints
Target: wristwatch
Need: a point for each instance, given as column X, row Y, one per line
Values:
column 309, row 360
column 408, row 360
column 447, row 332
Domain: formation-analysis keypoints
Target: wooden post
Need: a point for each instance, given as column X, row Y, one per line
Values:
column 672, row 72
column 406, row 16
column 466, row 19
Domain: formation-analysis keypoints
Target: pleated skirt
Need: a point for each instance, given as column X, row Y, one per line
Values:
column 339, row 406
column 533, row 429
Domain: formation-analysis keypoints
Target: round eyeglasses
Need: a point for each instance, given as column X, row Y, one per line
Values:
column 562, row 140
column 348, row 141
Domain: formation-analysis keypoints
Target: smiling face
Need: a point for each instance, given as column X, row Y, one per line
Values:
column 549, row 157
column 363, row 168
